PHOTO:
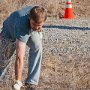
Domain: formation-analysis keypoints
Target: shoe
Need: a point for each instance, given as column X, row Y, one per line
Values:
column 30, row 86
column 17, row 85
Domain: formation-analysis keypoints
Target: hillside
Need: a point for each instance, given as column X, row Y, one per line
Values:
column 55, row 8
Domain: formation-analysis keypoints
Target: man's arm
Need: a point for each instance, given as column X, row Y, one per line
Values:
column 20, row 52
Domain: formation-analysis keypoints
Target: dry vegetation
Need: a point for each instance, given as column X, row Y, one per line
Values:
column 55, row 8
column 59, row 72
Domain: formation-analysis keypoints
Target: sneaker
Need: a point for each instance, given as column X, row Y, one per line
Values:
column 30, row 86
column 17, row 85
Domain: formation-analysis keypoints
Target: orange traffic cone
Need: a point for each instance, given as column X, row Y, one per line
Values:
column 68, row 11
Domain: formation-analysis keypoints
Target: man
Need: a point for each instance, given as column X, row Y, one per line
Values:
column 24, row 27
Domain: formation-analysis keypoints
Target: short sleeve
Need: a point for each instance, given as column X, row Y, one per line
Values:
column 22, row 37
column 21, row 33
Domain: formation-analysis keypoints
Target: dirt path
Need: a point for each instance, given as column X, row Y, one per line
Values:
column 66, row 57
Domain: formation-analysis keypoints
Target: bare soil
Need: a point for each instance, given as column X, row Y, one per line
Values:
column 55, row 8
column 66, row 58
column 59, row 71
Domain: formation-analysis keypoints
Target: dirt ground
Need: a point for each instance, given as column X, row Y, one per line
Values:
column 55, row 8
column 60, row 71
column 66, row 58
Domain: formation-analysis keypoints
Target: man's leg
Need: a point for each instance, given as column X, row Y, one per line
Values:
column 35, row 58
column 7, row 46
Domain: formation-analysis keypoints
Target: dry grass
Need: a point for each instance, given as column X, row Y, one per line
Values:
column 55, row 8
column 56, row 73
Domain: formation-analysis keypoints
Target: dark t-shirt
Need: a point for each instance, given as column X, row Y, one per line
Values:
column 17, row 26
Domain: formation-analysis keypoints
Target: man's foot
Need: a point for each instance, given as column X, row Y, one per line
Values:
column 17, row 85
column 30, row 86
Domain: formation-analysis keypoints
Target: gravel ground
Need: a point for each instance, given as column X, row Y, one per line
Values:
column 66, row 57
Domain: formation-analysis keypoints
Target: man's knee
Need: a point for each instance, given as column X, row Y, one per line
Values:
column 38, row 45
column 35, row 44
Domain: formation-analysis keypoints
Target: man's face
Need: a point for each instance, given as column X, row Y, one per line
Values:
column 36, row 26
